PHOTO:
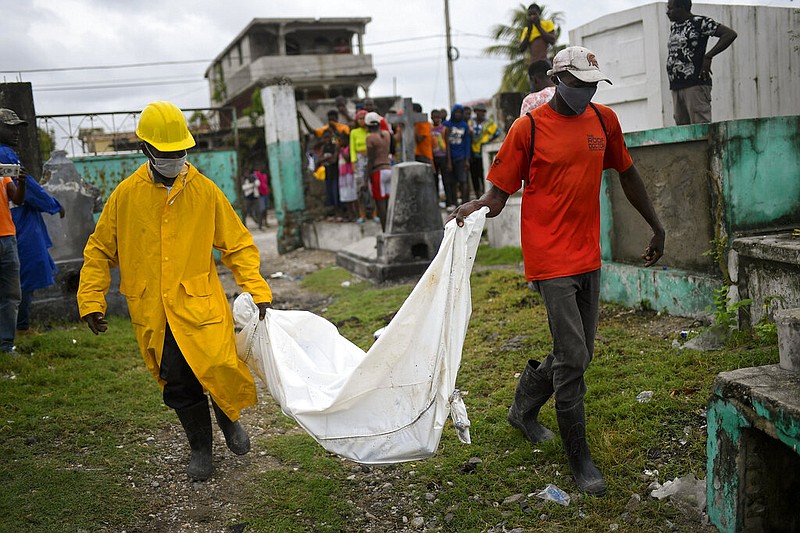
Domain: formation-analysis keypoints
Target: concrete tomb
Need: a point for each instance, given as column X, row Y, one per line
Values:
column 69, row 235
column 414, row 229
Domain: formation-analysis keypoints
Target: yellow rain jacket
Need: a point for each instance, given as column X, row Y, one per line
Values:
column 162, row 242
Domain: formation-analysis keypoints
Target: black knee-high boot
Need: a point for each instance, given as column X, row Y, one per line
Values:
column 235, row 436
column 196, row 421
column 572, row 426
column 533, row 391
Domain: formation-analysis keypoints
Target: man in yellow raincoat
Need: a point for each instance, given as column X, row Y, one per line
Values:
column 160, row 226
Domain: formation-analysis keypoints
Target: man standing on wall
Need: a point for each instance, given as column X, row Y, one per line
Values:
column 558, row 153
column 161, row 225
column 538, row 35
column 688, row 63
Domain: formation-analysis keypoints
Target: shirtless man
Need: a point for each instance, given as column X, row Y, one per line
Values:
column 378, row 173
column 538, row 36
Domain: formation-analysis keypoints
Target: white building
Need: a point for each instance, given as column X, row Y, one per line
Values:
column 758, row 76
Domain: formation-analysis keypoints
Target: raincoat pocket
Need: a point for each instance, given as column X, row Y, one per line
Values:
column 198, row 306
column 134, row 291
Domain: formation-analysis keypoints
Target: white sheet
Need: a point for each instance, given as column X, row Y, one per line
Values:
column 391, row 403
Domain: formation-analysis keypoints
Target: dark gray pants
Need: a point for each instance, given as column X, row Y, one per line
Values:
column 572, row 311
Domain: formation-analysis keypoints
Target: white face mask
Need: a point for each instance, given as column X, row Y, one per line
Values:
column 169, row 168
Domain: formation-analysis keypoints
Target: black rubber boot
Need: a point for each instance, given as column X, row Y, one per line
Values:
column 532, row 393
column 196, row 421
column 235, row 436
column 572, row 425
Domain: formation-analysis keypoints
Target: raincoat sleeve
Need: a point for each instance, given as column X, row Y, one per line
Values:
column 99, row 257
column 239, row 253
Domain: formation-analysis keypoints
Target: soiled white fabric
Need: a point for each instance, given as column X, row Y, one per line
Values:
column 391, row 403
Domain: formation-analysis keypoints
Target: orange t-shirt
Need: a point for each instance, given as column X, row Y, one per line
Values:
column 560, row 218
column 6, row 222
column 425, row 146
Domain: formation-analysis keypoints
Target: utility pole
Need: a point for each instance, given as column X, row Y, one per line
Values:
column 450, row 53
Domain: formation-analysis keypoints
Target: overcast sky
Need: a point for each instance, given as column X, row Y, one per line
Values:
column 53, row 34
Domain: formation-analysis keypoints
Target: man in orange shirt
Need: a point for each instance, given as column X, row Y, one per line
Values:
column 335, row 127
column 423, row 149
column 10, row 291
column 558, row 153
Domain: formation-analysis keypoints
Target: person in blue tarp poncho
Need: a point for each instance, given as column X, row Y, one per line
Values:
column 37, row 269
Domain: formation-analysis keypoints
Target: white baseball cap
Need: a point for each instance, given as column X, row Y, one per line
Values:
column 580, row 62
column 372, row 118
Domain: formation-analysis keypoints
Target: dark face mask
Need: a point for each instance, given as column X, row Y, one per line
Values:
column 577, row 98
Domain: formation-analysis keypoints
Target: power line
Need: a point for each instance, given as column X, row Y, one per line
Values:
column 105, row 67
column 468, row 34
column 116, row 86
column 405, row 40
column 180, row 62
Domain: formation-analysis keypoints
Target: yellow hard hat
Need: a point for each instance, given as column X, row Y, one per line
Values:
column 163, row 125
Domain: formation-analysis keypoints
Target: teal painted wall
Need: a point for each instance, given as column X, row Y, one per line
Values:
column 285, row 161
column 753, row 182
column 677, row 292
column 107, row 171
column 761, row 172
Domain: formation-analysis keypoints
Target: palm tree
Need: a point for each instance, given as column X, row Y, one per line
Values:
column 515, row 73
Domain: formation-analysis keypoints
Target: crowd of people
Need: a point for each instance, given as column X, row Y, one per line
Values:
column 354, row 154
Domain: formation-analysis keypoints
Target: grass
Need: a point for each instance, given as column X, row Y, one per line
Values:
column 70, row 414
column 72, row 405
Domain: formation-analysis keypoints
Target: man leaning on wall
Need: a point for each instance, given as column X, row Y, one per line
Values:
column 688, row 63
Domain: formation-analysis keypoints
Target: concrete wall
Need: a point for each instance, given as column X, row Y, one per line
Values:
column 756, row 77
column 19, row 98
column 766, row 269
column 107, row 171
column 678, row 183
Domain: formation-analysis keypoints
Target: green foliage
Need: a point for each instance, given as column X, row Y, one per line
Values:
column 515, row 73
column 726, row 314
column 256, row 108
column 359, row 308
column 718, row 248
column 220, row 92
column 47, row 142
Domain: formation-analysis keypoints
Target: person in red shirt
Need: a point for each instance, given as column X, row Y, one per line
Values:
column 557, row 153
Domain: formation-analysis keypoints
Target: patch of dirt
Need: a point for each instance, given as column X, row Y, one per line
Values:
column 651, row 323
